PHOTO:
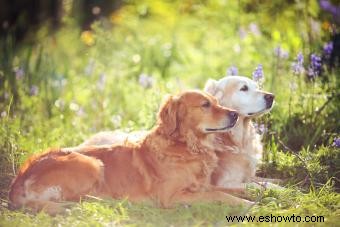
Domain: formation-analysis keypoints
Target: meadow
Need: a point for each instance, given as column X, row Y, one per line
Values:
column 57, row 89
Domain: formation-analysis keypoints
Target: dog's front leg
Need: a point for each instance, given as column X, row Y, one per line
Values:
column 211, row 196
column 267, row 183
column 270, row 180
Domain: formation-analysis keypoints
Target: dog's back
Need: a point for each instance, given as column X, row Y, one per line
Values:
column 129, row 170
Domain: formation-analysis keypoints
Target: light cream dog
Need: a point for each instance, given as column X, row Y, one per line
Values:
column 242, row 145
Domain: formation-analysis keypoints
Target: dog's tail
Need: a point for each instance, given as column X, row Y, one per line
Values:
column 19, row 200
column 17, row 195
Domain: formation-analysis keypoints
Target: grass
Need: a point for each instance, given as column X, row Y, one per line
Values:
column 73, row 84
column 123, row 213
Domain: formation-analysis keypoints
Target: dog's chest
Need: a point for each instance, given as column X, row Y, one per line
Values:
column 233, row 168
column 200, row 172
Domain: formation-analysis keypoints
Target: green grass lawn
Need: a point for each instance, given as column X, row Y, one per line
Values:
column 66, row 86
column 123, row 213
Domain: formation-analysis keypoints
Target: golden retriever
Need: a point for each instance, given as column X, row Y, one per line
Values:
column 242, row 145
column 172, row 164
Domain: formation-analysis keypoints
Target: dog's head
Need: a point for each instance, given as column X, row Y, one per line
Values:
column 194, row 111
column 242, row 94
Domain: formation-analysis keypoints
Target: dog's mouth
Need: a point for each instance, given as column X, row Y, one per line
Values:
column 223, row 129
column 265, row 110
column 259, row 113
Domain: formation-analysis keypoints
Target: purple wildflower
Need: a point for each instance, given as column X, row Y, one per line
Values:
column 277, row 51
column 327, row 49
column 260, row 128
column 333, row 9
column 326, row 5
column 336, row 142
column 19, row 73
column 310, row 73
column 258, row 73
column 242, row 33
column 300, row 58
column 90, row 67
column 297, row 66
column 81, row 112
column 101, row 81
column 145, row 81
column 254, row 29
column 314, row 68
column 281, row 53
column 34, row 90
column 232, row 71
column 315, row 61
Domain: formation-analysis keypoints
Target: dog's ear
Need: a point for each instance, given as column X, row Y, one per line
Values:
column 168, row 116
column 212, row 88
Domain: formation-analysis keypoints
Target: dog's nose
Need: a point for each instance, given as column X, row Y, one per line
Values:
column 233, row 116
column 269, row 100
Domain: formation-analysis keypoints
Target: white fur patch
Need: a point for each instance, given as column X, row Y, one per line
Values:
column 51, row 193
column 229, row 180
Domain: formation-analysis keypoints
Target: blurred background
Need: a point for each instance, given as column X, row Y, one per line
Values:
column 71, row 68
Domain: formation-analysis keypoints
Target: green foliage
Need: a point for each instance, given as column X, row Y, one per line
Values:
column 73, row 84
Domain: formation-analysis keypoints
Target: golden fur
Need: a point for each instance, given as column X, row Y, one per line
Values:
column 237, row 161
column 172, row 163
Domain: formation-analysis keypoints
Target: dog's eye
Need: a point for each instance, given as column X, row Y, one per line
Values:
column 206, row 104
column 244, row 88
